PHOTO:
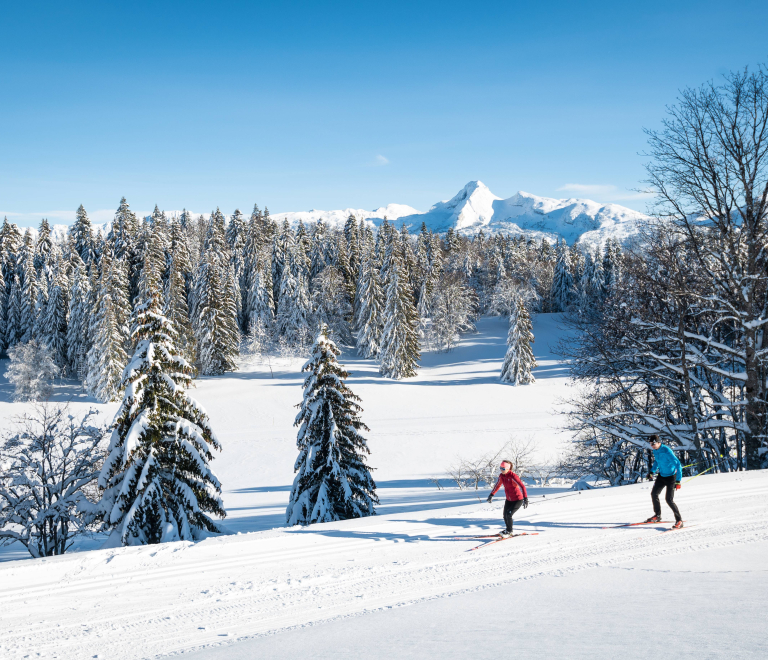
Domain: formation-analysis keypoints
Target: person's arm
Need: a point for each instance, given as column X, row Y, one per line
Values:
column 495, row 489
column 655, row 466
column 678, row 467
column 520, row 483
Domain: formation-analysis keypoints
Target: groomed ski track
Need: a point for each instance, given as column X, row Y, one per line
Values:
column 147, row 602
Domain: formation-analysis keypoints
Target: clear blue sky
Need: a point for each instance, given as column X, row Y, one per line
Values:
column 327, row 105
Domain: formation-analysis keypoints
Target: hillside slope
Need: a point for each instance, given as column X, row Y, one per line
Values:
column 143, row 602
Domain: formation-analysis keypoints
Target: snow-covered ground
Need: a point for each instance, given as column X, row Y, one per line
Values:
column 336, row 590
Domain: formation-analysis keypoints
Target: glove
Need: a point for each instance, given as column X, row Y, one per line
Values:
column 650, row 477
column 525, row 503
column 677, row 485
column 490, row 499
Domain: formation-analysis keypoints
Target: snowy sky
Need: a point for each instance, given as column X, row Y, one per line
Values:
column 330, row 105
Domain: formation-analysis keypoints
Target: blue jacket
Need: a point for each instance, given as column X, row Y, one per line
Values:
column 666, row 463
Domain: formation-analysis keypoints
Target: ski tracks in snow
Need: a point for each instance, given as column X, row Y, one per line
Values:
column 144, row 602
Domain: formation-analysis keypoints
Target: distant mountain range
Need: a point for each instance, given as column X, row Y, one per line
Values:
column 475, row 208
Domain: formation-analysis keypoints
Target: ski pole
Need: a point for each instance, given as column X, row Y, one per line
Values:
column 555, row 498
column 700, row 473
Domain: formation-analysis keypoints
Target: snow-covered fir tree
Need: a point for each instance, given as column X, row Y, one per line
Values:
column 332, row 481
column 370, row 310
column 261, row 307
column 79, row 325
column 294, row 304
column 400, row 353
column 214, row 310
column 13, row 330
column 562, row 280
column 82, row 235
column 53, row 325
column 107, row 356
column 216, row 335
column 158, row 485
column 519, row 361
column 28, row 295
column 176, row 308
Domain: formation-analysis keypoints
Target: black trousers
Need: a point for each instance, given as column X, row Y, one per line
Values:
column 660, row 484
column 510, row 508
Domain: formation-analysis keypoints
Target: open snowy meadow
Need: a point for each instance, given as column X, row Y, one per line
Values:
column 405, row 583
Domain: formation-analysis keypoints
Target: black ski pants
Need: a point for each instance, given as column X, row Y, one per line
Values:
column 510, row 508
column 658, row 486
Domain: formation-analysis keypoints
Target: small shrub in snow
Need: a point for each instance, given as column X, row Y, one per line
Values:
column 31, row 371
column 47, row 471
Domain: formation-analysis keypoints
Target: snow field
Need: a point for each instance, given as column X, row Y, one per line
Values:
column 144, row 602
column 182, row 597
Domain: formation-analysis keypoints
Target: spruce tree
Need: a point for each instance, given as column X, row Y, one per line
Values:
column 332, row 479
column 158, row 486
column 43, row 248
column 562, row 280
column 216, row 335
column 54, row 320
column 28, row 295
column 78, row 328
column 82, row 235
column 399, row 354
column 107, row 355
column 519, row 360
column 176, row 308
column 121, row 234
column 294, row 306
column 3, row 314
column 260, row 304
column 370, row 313
column 13, row 331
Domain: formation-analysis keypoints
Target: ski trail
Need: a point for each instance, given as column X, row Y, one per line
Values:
column 144, row 602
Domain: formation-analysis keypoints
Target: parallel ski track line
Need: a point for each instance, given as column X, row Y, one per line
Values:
column 415, row 582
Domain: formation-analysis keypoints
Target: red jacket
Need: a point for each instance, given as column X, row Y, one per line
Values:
column 514, row 488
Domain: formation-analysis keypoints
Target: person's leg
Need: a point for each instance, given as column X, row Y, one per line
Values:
column 510, row 508
column 508, row 515
column 670, row 497
column 657, row 487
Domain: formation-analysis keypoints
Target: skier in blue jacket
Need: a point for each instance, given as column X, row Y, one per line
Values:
column 670, row 474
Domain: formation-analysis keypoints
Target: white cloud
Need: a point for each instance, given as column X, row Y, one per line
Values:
column 380, row 160
column 606, row 192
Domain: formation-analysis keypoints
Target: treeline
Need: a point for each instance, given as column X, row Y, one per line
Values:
column 248, row 282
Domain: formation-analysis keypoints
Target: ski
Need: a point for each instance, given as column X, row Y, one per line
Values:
column 661, row 522
column 471, row 538
column 672, row 529
column 504, row 538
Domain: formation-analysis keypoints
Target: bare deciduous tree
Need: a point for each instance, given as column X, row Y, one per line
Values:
column 49, row 466
column 709, row 169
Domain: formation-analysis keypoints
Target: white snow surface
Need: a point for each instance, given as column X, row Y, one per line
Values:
column 337, row 588
column 475, row 208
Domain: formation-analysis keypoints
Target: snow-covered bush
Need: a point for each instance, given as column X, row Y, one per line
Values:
column 48, row 466
column 31, row 371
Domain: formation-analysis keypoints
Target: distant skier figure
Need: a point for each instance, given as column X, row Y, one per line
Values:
column 514, row 491
column 670, row 474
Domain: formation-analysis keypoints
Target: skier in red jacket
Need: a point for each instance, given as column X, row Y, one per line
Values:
column 514, row 490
